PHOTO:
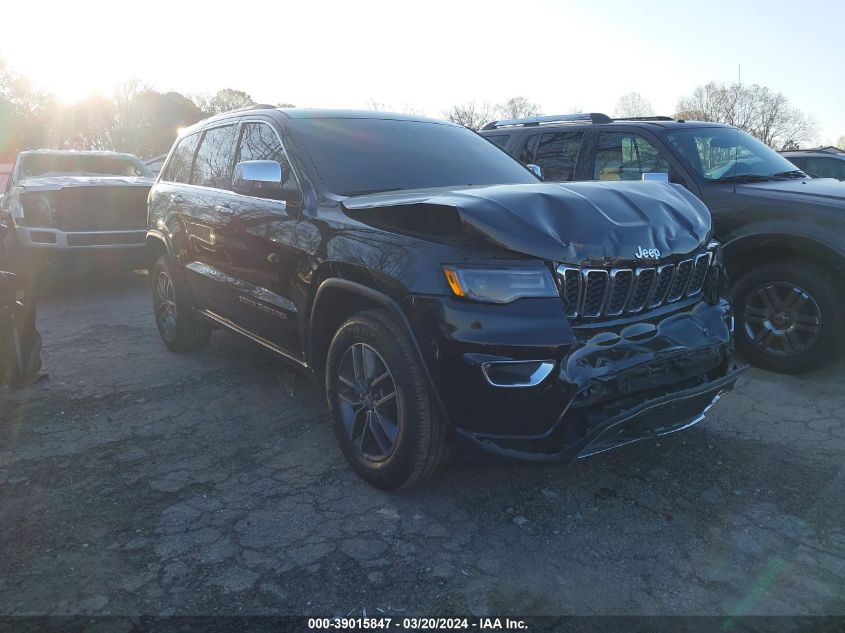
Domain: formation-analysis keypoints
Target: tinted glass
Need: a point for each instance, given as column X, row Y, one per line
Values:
column 39, row 165
column 499, row 141
column 556, row 155
column 360, row 155
column 625, row 156
column 260, row 142
column 179, row 167
column 826, row 168
column 213, row 164
column 713, row 153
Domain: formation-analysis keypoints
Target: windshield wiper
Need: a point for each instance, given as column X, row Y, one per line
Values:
column 364, row 192
column 742, row 178
column 794, row 173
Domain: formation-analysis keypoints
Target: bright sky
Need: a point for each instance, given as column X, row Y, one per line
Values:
column 434, row 54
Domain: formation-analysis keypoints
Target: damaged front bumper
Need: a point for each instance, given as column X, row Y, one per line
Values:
column 557, row 391
column 651, row 418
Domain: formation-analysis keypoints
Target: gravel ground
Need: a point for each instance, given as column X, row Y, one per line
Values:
column 136, row 481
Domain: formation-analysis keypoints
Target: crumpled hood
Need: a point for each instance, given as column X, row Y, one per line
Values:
column 54, row 183
column 598, row 222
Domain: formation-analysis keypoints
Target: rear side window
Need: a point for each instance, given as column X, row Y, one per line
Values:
column 213, row 164
column 557, row 153
column 179, row 167
column 260, row 142
column 623, row 156
column 499, row 141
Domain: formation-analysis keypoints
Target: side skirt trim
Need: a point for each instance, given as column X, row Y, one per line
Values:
column 253, row 337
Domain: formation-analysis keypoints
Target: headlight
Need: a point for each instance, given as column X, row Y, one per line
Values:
column 499, row 285
column 36, row 211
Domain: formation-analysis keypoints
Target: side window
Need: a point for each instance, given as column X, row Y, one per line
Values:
column 527, row 155
column 826, row 168
column 179, row 167
column 800, row 163
column 213, row 164
column 556, row 155
column 626, row 156
column 259, row 141
column 499, row 141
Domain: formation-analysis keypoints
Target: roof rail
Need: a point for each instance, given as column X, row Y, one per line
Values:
column 592, row 117
column 644, row 118
column 254, row 106
column 828, row 149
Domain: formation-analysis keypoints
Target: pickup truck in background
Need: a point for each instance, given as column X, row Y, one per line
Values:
column 63, row 209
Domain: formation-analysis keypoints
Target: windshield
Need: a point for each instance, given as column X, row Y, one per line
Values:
column 358, row 156
column 712, row 153
column 42, row 165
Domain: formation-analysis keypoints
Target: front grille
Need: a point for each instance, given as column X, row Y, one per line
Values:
column 598, row 292
column 105, row 239
column 101, row 208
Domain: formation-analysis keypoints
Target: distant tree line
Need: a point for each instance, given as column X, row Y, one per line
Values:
column 761, row 112
column 143, row 121
column 135, row 119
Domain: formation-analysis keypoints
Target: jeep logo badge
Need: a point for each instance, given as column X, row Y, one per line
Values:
column 647, row 253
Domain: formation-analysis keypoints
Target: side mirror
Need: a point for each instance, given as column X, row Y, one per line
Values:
column 655, row 176
column 536, row 170
column 262, row 179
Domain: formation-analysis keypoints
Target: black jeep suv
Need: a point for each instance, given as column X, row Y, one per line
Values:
column 783, row 233
column 440, row 292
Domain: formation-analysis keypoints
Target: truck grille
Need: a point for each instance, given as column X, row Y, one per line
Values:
column 597, row 292
column 101, row 208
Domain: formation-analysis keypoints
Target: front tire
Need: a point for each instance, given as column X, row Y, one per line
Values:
column 788, row 317
column 384, row 417
column 179, row 328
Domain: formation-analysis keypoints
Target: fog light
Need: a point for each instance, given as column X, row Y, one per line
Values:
column 516, row 373
column 42, row 237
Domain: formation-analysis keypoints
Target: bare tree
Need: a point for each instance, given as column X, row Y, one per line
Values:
column 759, row 111
column 404, row 107
column 633, row 104
column 473, row 114
column 518, row 107
column 223, row 101
column 841, row 142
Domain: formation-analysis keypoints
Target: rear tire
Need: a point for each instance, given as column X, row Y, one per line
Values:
column 788, row 317
column 392, row 441
column 179, row 328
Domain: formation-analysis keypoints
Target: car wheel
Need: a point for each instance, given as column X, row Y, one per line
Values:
column 788, row 317
column 179, row 328
column 384, row 417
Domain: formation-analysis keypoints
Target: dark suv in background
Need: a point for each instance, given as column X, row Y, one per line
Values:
column 783, row 233
column 440, row 292
column 819, row 162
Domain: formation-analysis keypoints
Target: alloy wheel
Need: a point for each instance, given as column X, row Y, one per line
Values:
column 166, row 303
column 782, row 319
column 368, row 402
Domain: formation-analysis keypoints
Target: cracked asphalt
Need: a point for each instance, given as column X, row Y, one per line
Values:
column 136, row 481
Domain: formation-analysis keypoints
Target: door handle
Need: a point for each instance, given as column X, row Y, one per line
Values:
column 223, row 209
column 176, row 199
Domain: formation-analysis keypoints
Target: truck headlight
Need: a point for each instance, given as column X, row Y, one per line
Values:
column 36, row 211
column 500, row 284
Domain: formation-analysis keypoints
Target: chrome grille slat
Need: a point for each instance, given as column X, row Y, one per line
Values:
column 665, row 276
column 680, row 281
column 699, row 273
column 641, row 289
column 594, row 294
column 597, row 292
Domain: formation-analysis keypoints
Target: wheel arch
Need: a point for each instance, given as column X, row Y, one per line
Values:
column 335, row 300
column 157, row 246
column 749, row 251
